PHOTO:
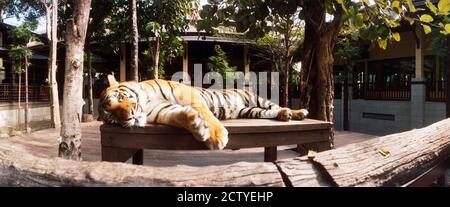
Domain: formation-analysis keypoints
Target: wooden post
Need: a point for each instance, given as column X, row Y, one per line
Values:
column 185, row 61
column 270, row 154
column 123, row 63
column 246, row 64
column 138, row 157
column 419, row 53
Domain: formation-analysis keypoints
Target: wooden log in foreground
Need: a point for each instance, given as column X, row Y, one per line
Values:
column 406, row 156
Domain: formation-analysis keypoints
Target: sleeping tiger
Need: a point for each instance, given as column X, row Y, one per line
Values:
column 197, row 110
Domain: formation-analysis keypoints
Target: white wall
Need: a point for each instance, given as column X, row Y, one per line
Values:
column 434, row 111
column 8, row 117
column 338, row 114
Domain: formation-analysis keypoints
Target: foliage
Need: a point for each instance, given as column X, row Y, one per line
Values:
column 161, row 19
column 282, row 42
column 219, row 63
column 346, row 51
column 18, row 54
column 439, row 43
column 165, row 21
column 376, row 20
column 19, row 37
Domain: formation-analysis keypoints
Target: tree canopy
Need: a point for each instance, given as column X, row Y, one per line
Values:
column 373, row 20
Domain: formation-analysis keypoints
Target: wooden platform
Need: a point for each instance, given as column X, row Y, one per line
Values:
column 119, row 144
column 44, row 144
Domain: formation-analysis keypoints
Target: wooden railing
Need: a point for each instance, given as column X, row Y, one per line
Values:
column 409, row 158
column 10, row 93
column 399, row 92
column 435, row 91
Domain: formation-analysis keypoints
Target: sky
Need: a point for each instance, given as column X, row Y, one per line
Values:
column 14, row 21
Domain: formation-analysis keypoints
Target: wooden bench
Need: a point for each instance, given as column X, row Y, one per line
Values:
column 119, row 144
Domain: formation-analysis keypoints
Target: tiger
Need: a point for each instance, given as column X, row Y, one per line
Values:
column 196, row 109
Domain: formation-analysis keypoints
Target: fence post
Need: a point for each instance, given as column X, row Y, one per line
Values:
column 418, row 94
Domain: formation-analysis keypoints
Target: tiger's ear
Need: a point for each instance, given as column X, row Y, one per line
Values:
column 112, row 80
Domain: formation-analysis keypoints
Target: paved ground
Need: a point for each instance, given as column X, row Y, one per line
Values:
column 44, row 143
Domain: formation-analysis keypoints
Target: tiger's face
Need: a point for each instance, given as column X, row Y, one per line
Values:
column 120, row 105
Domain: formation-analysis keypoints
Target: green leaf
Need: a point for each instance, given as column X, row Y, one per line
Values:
column 426, row 29
column 411, row 6
column 340, row 1
column 444, row 6
column 396, row 36
column 431, row 6
column 359, row 22
column 426, row 18
column 397, row 5
column 382, row 43
column 410, row 20
column 447, row 29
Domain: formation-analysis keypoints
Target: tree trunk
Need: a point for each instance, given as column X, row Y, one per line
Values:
column 287, row 67
column 76, row 26
column 317, row 76
column 89, row 67
column 316, row 84
column 52, row 38
column 447, row 82
column 27, row 111
column 135, row 42
column 285, row 87
column 19, row 99
column 156, row 59
column 54, row 99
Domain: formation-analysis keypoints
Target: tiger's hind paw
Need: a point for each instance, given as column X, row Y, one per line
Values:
column 285, row 114
column 299, row 114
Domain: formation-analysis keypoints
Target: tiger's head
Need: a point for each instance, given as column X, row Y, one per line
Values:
column 122, row 104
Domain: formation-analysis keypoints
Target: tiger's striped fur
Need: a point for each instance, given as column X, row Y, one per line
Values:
column 195, row 109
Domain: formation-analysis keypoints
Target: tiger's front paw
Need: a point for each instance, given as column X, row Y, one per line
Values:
column 219, row 137
column 198, row 126
column 299, row 114
column 285, row 114
column 209, row 131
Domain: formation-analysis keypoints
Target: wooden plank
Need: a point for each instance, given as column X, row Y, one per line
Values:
column 187, row 141
column 299, row 172
column 270, row 154
column 430, row 175
column 22, row 169
column 411, row 153
column 241, row 126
